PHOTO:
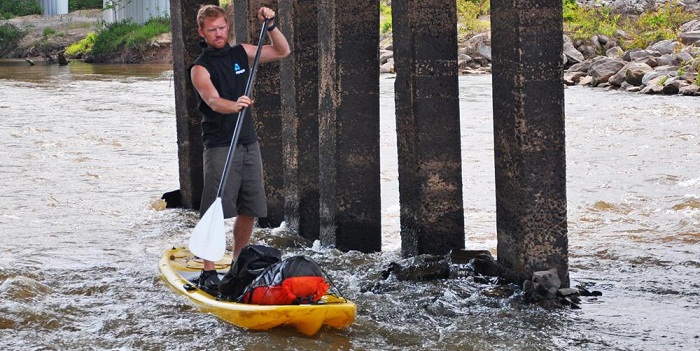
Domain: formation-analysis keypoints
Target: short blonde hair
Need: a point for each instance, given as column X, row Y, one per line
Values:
column 210, row 11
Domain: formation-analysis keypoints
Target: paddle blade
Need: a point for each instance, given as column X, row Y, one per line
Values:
column 208, row 239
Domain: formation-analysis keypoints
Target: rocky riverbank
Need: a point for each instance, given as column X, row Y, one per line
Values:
column 665, row 67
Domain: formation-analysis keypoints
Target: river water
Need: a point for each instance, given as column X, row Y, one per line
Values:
column 85, row 150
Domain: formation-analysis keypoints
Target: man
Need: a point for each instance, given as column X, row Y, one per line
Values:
column 220, row 75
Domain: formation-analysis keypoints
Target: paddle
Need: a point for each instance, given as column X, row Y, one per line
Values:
column 208, row 239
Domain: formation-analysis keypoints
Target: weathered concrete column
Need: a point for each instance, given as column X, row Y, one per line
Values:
column 267, row 109
column 299, row 95
column 427, row 123
column 185, row 46
column 349, row 124
column 528, row 106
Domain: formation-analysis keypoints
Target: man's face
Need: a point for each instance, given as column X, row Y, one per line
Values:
column 215, row 32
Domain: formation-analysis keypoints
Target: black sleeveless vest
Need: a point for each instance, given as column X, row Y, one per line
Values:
column 228, row 68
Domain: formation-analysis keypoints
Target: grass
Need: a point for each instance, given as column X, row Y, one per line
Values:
column 128, row 35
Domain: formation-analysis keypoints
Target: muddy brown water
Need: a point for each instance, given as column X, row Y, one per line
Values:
column 85, row 149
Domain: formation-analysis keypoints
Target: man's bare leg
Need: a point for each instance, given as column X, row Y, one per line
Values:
column 242, row 230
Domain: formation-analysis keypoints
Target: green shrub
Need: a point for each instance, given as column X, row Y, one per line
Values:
column 385, row 24
column 584, row 22
column 82, row 47
column 129, row 35
column 641, row 31
column 12, row 8
column 48, row 31
column 468, row 13
column 74, row 5
column 10, row 37
column 657, row 25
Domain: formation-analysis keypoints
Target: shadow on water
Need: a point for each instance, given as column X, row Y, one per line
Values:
column 85, row 149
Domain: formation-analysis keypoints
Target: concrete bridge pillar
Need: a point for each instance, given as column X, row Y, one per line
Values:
column 528, row 106
column 427, row 123
column 350, row 204
column 267, row 109
column 298, row 20
column 185, row 46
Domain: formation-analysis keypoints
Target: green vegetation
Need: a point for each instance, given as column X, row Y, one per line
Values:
column 48, row 31
column 129, row 35
column 10, row 37
column 662, row 81
column 74, row 5
column 469, row 14
column 631, row 32
column 13, row 8
column 580, row 22
column 82, row 47
column 658, row 25
column 385, row 24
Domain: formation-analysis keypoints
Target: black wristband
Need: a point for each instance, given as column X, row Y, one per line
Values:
column 273, row 26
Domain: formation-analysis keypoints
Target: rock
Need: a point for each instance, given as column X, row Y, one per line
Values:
column 691, row 26
column 614, row 52
column 673, row 85
column 385, row 55
column 419, row 268
column 588, row 50
column 634, row 72
column 388, row 67
column 587, row 80
column 665, row 46
column 603, row 68
column 543, row 286
column 665, row 60
column 633, row 55
column 690, row 90
column 62, row 61
column 580, row 67
column 682, row 57
column 654, row 86
column 572, row 55
column 573, row 78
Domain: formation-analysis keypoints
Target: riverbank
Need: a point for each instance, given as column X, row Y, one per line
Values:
column 665, row 67
column 48, row 36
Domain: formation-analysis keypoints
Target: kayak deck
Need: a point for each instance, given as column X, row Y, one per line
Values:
column 178, row 265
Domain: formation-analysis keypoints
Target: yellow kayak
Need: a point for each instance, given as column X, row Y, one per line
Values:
column 178, row 265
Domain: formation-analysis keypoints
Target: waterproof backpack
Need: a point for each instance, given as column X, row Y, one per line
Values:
column 252, row 261
column 295, row 280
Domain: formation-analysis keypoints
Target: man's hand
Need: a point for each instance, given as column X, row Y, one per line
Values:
column 243, row 102
column 265, row 13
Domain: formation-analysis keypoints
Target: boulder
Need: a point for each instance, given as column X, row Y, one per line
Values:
column 665, row 46
column 572, row 55
column 603, row 68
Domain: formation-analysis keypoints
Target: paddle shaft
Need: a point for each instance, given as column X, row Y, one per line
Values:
column 241, row 114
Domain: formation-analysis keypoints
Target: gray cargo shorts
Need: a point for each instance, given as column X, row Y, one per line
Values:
column 244, row 192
